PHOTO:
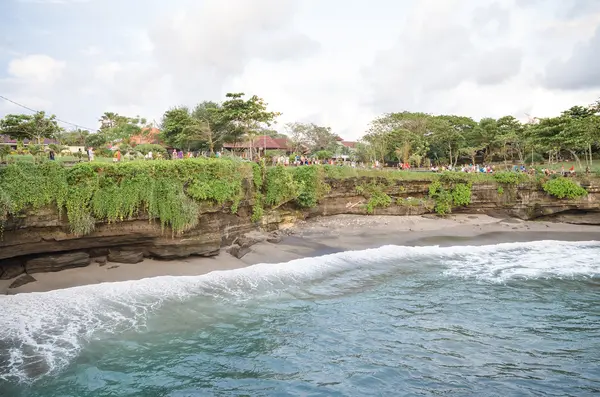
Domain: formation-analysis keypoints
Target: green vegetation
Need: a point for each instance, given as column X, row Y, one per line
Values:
column 511, row 178
column 311, row 185
column 374, row 191
column 420, row 138
column 167, row 191
column 446, row 196
column 564, row 188
column 174, row 193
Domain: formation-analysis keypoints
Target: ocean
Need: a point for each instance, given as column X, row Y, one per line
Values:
column 515, row 319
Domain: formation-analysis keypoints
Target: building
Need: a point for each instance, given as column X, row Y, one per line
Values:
column 147, row 135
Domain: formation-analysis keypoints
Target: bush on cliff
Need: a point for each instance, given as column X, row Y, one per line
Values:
column 564, row 188
column 168, row 191
column 311, row 185
column 510, row 178
column 445, row 197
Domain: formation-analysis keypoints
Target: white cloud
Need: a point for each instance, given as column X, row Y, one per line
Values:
column 333, row 63
column 35, row 69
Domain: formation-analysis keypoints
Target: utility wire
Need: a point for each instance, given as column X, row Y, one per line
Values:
column 57, row 119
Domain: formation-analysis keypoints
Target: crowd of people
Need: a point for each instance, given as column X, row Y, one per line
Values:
column 299, row 160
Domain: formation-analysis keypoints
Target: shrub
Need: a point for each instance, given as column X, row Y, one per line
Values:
column 280, row 186
column 167, row 191
column 311, row 185
column 564, row 188
column 510, row 178
column 444, row 198
column 376, row 195
column 144, row 148
column 461, row 194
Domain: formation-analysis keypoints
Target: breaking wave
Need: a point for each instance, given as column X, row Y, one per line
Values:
column 42, row 332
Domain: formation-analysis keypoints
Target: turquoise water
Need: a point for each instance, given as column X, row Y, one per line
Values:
column 519, row 319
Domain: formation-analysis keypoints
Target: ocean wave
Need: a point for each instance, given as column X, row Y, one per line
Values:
column 43, row 332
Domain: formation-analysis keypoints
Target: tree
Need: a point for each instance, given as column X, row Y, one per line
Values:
column 406, row 135
column 247, row 116
column 511, row 138
column 32, row 127
column 486, row 135
column 213, row 128
column 96, row 140
column 312, row 137
column 75, row 137
column 174, row 122
column 110, row 120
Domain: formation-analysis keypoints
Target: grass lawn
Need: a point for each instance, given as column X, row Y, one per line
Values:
column 568, row 164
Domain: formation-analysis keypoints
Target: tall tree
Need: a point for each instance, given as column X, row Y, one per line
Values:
column 211, row 127
column 246, row 115
column 175, row 124
column 510, row 138
column 32, row 127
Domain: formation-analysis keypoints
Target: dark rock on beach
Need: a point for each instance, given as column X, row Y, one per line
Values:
column 57, row 262
column 21, row 281
column 238, row 251
column 11, row 268
column 125, row 256
column 101, row 260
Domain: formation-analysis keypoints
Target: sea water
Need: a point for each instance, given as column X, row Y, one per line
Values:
column 518, row 319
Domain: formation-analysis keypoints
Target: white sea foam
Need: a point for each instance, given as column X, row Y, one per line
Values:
column 41, row 332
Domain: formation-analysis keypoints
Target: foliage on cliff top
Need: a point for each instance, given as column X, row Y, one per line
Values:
column 171, row 191
column 167, row 190
column 446, row 196
column 564, row 188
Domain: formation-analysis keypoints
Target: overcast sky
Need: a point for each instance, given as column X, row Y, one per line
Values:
column 331, row 62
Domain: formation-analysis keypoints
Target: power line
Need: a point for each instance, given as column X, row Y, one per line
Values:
column 57, row 119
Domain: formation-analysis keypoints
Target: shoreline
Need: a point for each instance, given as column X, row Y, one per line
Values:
column 321, row 236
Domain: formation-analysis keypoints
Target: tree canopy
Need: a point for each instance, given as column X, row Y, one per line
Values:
column 414, row 137
column 34, row 127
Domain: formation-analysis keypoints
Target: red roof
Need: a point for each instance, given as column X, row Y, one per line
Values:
column 258, row 142
column 349, row 144
column 147, row 135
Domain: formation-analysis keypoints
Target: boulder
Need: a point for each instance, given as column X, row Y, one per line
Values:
column 101, row 260
column 21, row 281
column 274, row 238
column 237, row 251
column 125, row 256
column 98, row 252
column 249, row 239
column 11, row 268
column 57, row 262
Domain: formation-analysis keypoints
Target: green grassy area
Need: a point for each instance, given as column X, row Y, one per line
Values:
column 568, row 164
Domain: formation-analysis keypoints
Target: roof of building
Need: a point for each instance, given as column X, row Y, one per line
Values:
column 147, row 135
column 8, row 140
column 349, row 144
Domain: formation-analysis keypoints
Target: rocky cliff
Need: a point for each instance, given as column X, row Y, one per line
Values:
column 41, row 240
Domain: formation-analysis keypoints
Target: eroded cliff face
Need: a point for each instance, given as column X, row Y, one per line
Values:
column 41, row 241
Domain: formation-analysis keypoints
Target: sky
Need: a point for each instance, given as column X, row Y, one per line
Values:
column 334, row 63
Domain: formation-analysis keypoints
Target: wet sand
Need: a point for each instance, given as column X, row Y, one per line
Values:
column 325, row 235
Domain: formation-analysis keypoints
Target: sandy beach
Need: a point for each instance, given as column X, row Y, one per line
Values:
column 324, row 235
